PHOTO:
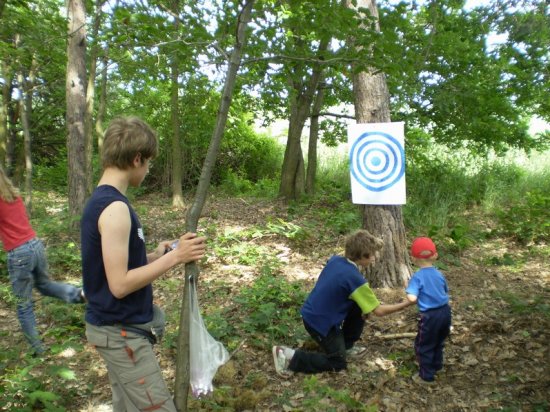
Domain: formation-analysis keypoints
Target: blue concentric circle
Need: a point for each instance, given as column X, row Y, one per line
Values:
column 377, row 161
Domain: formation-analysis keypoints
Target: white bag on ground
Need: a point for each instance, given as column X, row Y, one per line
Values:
column 206, row 354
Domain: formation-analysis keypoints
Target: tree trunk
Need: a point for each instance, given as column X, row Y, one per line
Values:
column 177, row 195
column 313, row 139
column 90, row 98
column 4, row 111
column 27, row 86
column 9, row 126
column 27, row 141
column 191, row 269
column 372, row 105
column 76, row 109
column 102, row 103
column 293, row 174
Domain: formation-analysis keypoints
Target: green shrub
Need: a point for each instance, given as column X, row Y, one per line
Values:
column 528, row 220
column 270, row 308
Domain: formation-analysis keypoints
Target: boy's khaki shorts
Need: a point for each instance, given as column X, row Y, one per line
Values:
column 134, row 373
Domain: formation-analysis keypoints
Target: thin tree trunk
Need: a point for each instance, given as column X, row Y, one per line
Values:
column 292, row 174
column 102, row 106
column 177, row 195
column 4, row 111
column 191, row 269
column 27, row 86
column 9, row 125
column 26, row 140
column 372, row 105
column 90, row 98
column 313, row 139
column 76, row 109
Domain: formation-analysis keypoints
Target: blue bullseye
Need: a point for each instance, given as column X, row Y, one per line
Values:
column 377, row 161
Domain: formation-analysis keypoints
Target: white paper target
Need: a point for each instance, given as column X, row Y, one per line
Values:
column 377, row 163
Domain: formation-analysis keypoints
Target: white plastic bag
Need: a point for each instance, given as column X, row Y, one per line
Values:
column 206, row 354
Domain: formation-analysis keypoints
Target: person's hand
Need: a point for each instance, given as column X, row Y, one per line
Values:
column 190, row 248
column 162, row 248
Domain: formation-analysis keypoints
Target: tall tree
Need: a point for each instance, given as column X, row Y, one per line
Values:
column 76, row 108
column 25, row 84
column 90, row 94
column 191, row 269
column 313, row 139
column 177, row 194
column 372, row 105
column 102, row 106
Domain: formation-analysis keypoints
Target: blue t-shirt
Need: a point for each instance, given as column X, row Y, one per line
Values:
column 430, row 287
column 103, row 308
column 339, row 286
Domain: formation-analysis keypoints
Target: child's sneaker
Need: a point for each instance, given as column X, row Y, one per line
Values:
column 281, row 360
column 417, row 379
column 356, row 351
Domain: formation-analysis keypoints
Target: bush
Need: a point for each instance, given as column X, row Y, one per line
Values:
column 529, row 219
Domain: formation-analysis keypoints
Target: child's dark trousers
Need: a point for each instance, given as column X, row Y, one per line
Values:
column 334, row 346
column 433, row 328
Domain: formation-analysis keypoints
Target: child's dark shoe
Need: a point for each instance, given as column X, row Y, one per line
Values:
column 419, row 380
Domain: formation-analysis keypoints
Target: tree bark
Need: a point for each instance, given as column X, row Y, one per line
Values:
column 372, row 105
column 9, row 110
column 26, row 140
column 90, row 97
column 76, row 108
column 177, row 194
column 27, row 85
column 6, row 96
column 191, row 269
column 313, row 139
column 102, row 106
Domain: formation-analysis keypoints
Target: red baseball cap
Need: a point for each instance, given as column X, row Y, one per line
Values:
column 423, row 248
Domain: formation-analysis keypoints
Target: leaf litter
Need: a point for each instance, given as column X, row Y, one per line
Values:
column 496, row 358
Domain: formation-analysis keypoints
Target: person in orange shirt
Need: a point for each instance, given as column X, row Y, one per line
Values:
column 27, row 263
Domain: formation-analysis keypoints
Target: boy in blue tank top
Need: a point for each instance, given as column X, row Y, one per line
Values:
column 121, row 321
column 333, row 311
column 428, row 289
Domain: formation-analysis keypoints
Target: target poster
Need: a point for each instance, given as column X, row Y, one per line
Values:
column 377, row 163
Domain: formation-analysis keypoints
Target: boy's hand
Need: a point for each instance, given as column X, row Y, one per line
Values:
column 190, row 248
column 412, row 299
column 162, row 248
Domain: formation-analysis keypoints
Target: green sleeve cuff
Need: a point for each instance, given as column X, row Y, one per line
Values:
column 365, row 298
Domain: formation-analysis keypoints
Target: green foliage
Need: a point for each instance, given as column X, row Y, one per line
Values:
column 271, row 308
column 24, row 387
column 249, row 154
column 236, row 185
column 296, row 234
column 52, row 176
column 405, row 362
column 529, row 219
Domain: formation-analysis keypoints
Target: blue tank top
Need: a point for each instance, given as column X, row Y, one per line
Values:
column 103, row 308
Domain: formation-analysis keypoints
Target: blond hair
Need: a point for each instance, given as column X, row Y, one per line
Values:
column 361, row 244
column 125, row 138
column 8, row 192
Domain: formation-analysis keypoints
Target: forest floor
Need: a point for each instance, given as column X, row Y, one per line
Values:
column 497, row 357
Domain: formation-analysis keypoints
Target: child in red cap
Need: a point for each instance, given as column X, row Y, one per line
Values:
column 428, row 289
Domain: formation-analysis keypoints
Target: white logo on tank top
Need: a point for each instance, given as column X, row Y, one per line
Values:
column 140, row 234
